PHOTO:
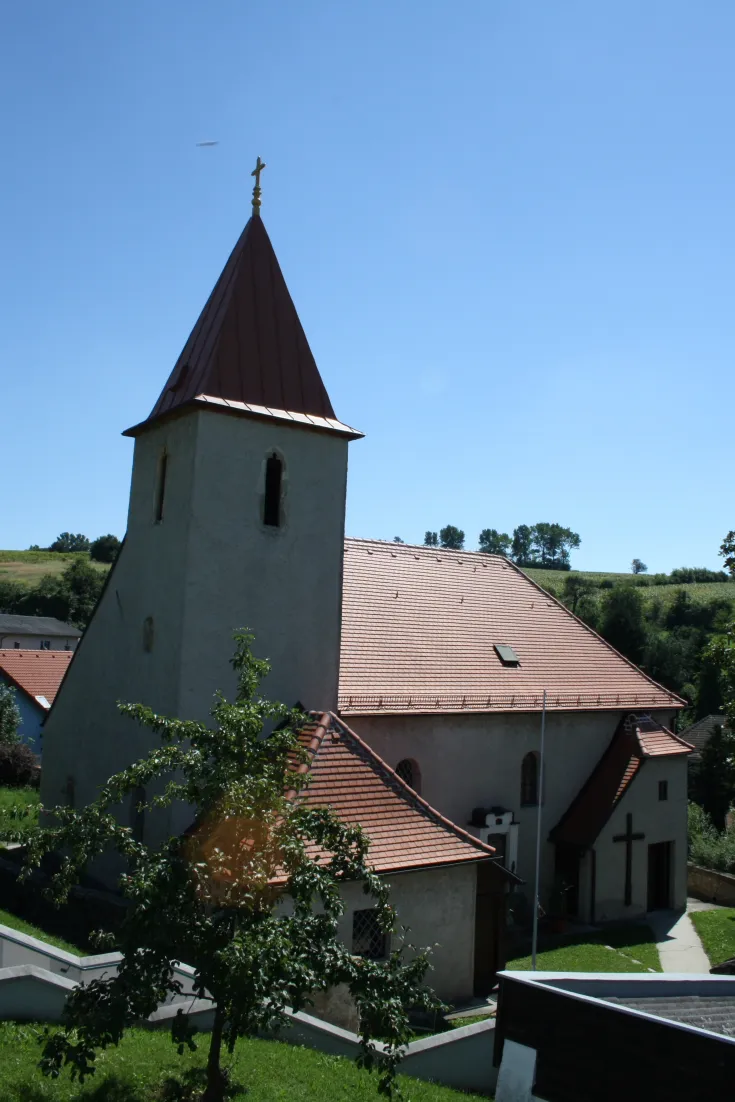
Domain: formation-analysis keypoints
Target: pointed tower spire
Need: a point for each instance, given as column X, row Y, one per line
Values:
column 248, row 352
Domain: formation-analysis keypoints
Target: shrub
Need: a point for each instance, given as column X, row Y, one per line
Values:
column 105, row 548
column 709, row 847
column 696, row 574
column 18, row 766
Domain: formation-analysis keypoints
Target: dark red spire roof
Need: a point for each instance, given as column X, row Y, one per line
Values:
column 248, row 352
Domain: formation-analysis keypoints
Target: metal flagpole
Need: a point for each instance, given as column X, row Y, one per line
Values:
column 540, row 797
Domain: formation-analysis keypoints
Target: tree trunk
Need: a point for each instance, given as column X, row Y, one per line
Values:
column 216, row 1078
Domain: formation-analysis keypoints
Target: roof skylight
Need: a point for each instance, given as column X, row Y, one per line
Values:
column 506, row 654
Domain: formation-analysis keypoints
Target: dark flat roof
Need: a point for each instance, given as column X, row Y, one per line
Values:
column 35, row 625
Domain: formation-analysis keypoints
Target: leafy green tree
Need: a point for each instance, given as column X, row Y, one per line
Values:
column 10, row 595
column 238, row 896
column 10, row 719
column 576, row 587
column 67, row 541
column 552, row 545
column 451, row 538
column 493, row 542
column 714, row 785
column 638, row 567
column 104, row 548
column 397, row 539
column 727, row 550
column 622, row 623
column 522, row 545
column 431, row 539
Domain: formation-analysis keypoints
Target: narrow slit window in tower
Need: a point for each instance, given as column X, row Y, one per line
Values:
column 272, row 503
column 161, row 486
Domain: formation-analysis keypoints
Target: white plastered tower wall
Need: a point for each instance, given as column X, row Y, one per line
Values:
column 162, row 632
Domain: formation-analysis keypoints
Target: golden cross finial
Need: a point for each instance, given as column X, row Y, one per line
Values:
column 260, row 165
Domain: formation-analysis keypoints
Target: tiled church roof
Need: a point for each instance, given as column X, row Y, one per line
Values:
column 419, row 628
column 636, row 739
column 405, row 831
column 38, row 672
column 248, row 352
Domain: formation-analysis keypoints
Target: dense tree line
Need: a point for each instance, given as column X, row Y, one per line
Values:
column 103, row 549
column 70, row 597
column 544, row 544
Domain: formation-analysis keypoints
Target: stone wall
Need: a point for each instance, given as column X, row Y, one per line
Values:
column 714, row 887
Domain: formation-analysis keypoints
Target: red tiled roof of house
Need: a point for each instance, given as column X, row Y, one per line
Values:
column 636, row 739
column 248, row 353
column 405, row 831
column 419, row 628
column 37, row 672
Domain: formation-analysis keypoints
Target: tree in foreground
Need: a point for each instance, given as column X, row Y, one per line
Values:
column 249, row 895
column 638, row 567
column 9, row 715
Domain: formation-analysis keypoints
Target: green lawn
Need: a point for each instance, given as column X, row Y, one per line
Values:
column 716, row 930
column 17, row 798
column 631, row 949
column 138, row 1069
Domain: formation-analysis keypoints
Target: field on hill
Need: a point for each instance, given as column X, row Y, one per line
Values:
column 698, row 591
column 30, row 566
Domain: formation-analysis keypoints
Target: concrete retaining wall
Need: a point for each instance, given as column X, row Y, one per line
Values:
column 714, row 887
column 36, row 978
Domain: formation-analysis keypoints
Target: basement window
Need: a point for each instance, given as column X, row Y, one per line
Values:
column 368, row 940
column 272, row 501
column 507, row 655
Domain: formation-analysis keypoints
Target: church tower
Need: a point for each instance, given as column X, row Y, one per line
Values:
column 236, row 519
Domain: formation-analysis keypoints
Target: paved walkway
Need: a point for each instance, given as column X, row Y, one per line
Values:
column 678, row 944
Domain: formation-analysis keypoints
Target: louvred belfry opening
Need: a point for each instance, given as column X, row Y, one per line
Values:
column 248, row 351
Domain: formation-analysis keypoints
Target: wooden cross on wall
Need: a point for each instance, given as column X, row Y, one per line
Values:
column 629, row 838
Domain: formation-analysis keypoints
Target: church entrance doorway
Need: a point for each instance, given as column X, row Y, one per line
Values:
column 489, row 927
column 659, row 876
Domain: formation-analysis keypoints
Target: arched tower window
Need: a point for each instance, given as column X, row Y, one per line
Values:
column 529, row 780
column 272, row 500
column 410, row 773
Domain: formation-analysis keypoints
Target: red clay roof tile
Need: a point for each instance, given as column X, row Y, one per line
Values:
column 248, row 352
column 36, row 672
column 405, row 831
column 636, row 739
column 419, row 627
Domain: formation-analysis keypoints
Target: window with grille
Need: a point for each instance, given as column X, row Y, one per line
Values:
column 368, row 940
column 410, row 774
column 529, row 780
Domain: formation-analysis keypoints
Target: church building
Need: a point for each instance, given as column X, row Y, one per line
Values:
column 425, row 668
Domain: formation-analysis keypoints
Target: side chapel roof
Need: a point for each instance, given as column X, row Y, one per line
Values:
column 636, row 739
column 405, row 831
column 248, row 352
column 37, row 672
column 419, row 631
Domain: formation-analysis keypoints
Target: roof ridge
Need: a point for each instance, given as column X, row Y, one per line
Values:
column 409, row 794
column 423, row 547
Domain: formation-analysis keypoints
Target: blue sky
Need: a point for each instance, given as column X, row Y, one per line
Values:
column 508, row 228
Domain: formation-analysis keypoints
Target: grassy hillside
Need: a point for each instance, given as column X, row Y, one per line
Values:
column 30, row 566
column 699, row 591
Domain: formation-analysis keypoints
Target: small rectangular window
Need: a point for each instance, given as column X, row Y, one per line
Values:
column 161, row 487
column 16, row 644
column 368, row 940
column 45, row 644
column 272, row 502
column 507, row 655
column 663, row 790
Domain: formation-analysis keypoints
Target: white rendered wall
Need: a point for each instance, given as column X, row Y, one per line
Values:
column 660, row 821
column 471, row 761
column 33, row 642
column 209, row 567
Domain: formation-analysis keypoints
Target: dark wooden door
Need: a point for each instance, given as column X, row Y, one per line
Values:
column 659, row 876
column 489, row 927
